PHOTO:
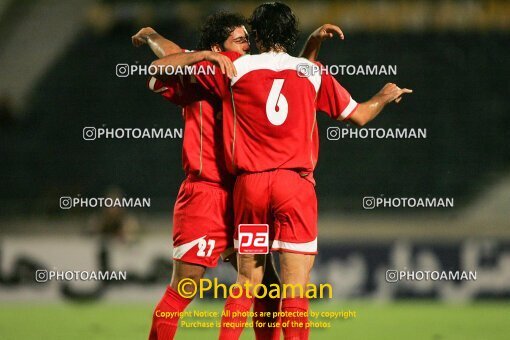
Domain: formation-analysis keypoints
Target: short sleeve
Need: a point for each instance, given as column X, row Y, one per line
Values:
column 334, row 99
column 173, row 89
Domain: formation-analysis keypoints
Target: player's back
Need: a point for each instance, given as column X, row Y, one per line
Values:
column 273, row 122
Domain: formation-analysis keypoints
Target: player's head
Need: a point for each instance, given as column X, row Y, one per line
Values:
column 274, row 27
column 224, row 31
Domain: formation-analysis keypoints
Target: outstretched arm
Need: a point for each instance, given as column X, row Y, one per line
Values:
column 368, row 110
column 313, row 44
column 157, row 43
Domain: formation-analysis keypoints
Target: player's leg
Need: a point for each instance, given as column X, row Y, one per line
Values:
column 295, row 271
column 251, row 205
column 199, row 238
column 267, row 329
column 165, row 318
column 295, row 207
column 265, row 304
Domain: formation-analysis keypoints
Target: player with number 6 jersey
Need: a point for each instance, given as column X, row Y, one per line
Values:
column 281, row 102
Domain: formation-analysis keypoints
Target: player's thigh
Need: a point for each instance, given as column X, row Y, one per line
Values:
column 294, row 205
column 202, row 228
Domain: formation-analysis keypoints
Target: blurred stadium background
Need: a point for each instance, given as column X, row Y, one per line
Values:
column 57, row 62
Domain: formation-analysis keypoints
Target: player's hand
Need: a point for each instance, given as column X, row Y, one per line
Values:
column 140, row 38
column 327, row 31
column 391, row 92
column 223, row 62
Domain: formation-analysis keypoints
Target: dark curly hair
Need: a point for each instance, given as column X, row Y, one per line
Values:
column 274, row 24
column 217, row 28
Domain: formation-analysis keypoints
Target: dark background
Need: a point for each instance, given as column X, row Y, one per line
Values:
column 460, row 83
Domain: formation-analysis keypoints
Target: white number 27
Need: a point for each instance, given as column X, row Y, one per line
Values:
column 202, row 244
column 277, row 107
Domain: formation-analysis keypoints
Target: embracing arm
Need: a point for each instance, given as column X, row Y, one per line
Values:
column 184, row 59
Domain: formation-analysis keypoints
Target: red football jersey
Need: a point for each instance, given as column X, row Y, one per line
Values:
column 202, row 151
column 269, row 111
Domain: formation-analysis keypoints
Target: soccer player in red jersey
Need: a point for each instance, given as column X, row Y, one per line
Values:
column 271, row 144
column 203, row 162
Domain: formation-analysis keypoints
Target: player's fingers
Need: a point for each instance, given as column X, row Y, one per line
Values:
column 233, row 70
column 398, row 100
column 407, row 91
column 228, row 72
column 338, row 31
column 230, row 69
column 137, row 41
column 222, row 67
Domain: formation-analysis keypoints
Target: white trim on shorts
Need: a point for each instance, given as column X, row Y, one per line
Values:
column 307, row 247
column 181, row 250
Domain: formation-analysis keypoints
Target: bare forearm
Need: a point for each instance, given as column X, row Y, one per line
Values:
column 162, row 46
column 225, row 65
column 311, row 49
column 313, row 43
column 368, row 110
column 181, row 59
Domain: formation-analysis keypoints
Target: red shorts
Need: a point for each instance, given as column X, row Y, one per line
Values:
column 284, row 200
column 203, row 227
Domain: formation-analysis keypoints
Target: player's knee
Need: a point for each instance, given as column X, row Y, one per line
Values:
column 184, row 273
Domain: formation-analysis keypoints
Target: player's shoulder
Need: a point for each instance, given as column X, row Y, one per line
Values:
column 273, row 61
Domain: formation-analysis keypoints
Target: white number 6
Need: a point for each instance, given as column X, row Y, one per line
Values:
column 277, row 107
